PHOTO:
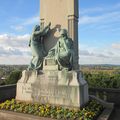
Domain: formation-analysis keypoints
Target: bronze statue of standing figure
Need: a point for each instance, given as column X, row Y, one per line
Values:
column 37, row 47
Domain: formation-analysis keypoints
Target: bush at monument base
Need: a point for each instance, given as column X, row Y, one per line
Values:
column 89, row 112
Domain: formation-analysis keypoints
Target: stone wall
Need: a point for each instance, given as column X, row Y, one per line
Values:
column 109, row 95
column 7, row 92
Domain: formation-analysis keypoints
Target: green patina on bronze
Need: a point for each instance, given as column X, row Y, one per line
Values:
column 63, row 51
column 37, row 47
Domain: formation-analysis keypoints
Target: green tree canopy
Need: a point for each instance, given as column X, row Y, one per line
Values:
column 14, row 77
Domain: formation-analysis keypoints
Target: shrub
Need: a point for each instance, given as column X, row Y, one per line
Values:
column 102, row 79
column 90, row 112
column 13, row 77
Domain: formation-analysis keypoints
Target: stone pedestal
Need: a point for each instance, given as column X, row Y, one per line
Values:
column 53, row 87
column 50, row 64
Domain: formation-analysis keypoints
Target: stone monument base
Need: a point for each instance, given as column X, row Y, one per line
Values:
column 53, row 87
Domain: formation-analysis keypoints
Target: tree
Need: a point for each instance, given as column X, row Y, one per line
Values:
column 14, row 77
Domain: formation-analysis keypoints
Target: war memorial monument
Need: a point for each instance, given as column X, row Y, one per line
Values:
column 53, row 75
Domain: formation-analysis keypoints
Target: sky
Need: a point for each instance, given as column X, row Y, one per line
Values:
column 99, row 31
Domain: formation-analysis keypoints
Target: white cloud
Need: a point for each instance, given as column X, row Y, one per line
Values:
column 108, row 55
column 14, row 50
column 15, row 60
column 14, row 45
column 17, row 28
column 91, row 10
column 25, row 22
column 14, row 40
column 116, row 46
column 104, row 18
column 101, row 8
column 87, row 53
column 32, row 20
column 97, row 60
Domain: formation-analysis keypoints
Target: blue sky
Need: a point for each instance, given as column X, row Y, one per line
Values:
column 99, row 30
column 18, row 16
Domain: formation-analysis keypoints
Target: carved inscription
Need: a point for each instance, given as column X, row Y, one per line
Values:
column 44, row 94
column 26, row 89
column 47, row 90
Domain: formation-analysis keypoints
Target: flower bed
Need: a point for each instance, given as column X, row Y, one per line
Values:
column 89, row 112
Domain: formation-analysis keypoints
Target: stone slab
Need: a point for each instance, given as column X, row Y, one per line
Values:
column 105, row 114
column 53, row 87
column 109, row 107
column 8, row 115
column 50, row 64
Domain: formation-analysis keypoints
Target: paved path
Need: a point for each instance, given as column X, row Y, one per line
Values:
column 115, row 114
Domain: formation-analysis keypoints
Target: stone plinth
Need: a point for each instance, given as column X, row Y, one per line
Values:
column 53, row 87
column 50, row 64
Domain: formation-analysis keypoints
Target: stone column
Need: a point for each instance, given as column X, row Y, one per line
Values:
column 63, row 14
column 73, row 17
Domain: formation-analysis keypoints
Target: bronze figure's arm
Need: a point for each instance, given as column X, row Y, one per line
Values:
column 44, row 31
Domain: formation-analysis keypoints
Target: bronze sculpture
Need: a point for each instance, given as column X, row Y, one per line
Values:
column 37, row 47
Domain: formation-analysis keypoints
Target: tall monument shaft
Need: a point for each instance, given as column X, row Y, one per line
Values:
column 63, row 14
